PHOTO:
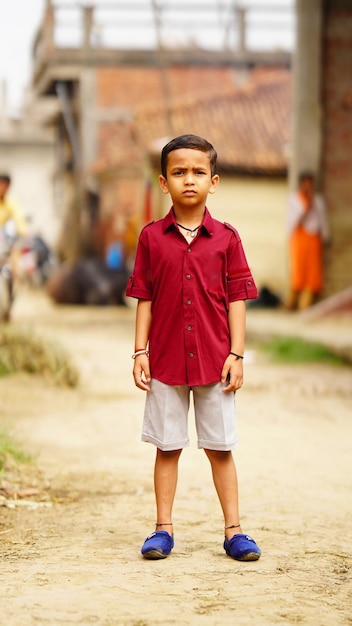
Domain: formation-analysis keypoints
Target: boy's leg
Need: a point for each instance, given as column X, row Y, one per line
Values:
column 160, row 543
column 237, row 545
column 226, row 485
column 165, row 482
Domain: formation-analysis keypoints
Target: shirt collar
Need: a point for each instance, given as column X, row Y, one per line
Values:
column 207, row 226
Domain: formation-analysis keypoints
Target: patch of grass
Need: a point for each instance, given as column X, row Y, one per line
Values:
column 23, row 351
column 297, row 350
column 10, row 449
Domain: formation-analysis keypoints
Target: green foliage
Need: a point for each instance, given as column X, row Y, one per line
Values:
column 297, row 350
column 22, row 351
column 8, row 448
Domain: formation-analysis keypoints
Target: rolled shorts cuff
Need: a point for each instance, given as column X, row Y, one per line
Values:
column 165, row 446
column 216, row 445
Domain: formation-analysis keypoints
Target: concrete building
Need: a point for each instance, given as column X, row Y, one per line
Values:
column 89, row 88
column 27, row 155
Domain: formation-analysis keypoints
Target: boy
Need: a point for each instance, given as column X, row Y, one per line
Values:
column 191, row 279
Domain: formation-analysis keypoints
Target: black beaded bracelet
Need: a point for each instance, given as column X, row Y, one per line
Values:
column 238, row 356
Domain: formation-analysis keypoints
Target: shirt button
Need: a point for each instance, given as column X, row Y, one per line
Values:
column 189, row 327
column 189, row 249
column 249, row 282
column 191, row 354
column 188, row 301
column 188, row 276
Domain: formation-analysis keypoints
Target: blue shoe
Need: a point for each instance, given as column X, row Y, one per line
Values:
column 158, row 545
column 242, row 548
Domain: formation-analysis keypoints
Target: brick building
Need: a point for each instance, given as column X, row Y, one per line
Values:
column 91, row 93
column 249, row 127
column 322, row 121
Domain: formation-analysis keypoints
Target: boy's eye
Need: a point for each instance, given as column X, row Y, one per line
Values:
column 197, row 172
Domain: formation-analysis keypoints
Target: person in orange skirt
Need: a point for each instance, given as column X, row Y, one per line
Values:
column 308, row 230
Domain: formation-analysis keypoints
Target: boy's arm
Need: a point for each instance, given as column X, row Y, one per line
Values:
column 141, row 370
column 233, row 368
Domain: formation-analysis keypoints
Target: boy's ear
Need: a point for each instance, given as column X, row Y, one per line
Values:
column 214, row 183
column 163, row 184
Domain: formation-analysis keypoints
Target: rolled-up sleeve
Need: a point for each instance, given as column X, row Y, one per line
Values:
column 139, row 284
column 240, row 282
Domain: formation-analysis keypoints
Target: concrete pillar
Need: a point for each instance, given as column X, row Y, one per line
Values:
column 306, row 132
column 242, row 29
column 48, row 30
column 88, row 116
column 88, row 12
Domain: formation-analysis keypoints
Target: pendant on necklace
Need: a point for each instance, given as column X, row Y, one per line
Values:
column 190, row 232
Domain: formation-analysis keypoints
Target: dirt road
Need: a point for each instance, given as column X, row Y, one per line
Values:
column 75, row 559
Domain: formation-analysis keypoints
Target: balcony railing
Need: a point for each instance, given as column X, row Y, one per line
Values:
column 217, row 25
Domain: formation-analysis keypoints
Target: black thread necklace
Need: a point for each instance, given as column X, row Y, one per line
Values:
column 192, row 231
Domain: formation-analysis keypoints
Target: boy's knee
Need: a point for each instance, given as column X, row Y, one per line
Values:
column 169, row 454
column 217, row 455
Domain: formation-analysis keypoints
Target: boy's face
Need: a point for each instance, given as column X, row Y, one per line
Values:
column 189, row 178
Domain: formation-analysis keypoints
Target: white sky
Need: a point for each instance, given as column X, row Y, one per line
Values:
column 18, row 24
column 20, row 20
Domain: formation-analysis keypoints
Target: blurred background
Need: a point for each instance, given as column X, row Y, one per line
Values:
column 90, row 92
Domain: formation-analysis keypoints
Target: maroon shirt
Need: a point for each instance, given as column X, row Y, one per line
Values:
column 190, row 286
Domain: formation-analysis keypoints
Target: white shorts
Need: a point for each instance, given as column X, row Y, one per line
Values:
column 165, row 421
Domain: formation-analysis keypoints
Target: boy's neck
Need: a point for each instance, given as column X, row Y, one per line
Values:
column 189, row 217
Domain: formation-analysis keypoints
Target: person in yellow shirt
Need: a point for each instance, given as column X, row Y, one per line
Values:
column 9, row 214
column 9, row 210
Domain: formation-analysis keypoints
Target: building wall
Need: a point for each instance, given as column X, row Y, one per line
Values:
column 337, row 148
column 127, row 86
column 256, row 207
column 31, row 167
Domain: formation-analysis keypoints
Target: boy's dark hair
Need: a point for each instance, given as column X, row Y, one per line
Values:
column 6, row 178
column 194, row 143
column 306, row 175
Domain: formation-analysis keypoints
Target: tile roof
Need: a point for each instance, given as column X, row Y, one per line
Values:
column 248, row 125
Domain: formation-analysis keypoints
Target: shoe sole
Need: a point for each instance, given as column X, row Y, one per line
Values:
column 154, row 555
column 251, row 556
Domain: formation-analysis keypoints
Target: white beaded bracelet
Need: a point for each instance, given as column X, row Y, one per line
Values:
column 140, row 352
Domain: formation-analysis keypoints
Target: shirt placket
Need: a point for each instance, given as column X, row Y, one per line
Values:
column 189, row 312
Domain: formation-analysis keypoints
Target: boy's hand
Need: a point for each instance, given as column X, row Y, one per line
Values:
column 141, row 372
column 232, row 374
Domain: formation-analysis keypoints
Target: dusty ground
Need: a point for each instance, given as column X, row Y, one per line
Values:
column 75, row 559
